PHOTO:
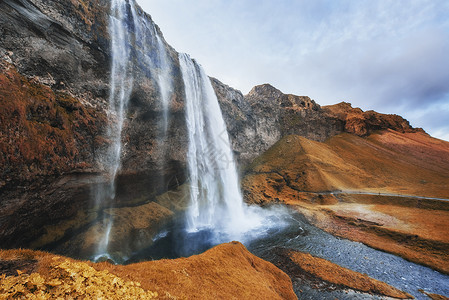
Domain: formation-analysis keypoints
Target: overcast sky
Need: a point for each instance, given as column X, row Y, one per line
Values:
column 387, row 55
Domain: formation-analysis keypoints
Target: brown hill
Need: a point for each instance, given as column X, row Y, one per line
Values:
column 386, row 162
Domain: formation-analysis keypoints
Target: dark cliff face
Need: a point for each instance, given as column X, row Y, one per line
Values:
column 65, row 46
column 62, row 44
column 55, row 70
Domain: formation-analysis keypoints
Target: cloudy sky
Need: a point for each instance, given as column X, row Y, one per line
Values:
column 387, row 55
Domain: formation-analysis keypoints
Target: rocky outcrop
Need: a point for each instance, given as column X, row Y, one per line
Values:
column 363, row 123
column 258, row 120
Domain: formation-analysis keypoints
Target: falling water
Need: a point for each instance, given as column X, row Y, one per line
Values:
column 121, row 82
column 159, row 65
column 145, row 37
column 215, row 199
column 164, row 81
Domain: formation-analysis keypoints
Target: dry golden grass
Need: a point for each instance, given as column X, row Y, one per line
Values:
column 68, row 279
column 227, row 271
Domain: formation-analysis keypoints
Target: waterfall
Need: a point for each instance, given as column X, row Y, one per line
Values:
column 120, row 87
column 159, row 65
column 146, row 40
column 216, row 207
column 215, row 198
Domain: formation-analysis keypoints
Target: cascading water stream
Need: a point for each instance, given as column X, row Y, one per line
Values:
column 122, row 37
column 216, row 212
column 121, row 81
column 160, row 66
column 216, row 203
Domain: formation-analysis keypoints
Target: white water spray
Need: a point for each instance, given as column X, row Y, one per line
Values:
column 216, row 201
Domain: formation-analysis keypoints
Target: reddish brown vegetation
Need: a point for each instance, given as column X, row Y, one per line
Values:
column 227, row 271
column 42, row 132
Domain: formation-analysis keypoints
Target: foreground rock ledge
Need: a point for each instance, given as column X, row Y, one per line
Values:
column 227, row 271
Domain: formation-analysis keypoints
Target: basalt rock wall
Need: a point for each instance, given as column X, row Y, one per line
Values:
column 55, row 72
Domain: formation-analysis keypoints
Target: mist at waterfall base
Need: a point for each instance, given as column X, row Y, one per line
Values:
column 176, row 240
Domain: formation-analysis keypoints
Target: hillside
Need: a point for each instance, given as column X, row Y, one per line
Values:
column 384, row 162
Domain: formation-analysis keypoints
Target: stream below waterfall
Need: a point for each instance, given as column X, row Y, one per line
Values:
column 295, row 233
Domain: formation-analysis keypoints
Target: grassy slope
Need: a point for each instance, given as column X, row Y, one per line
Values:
column 388, row 162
